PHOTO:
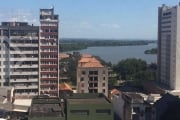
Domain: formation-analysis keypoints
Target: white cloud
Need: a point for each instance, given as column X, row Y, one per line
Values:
column 113, row 25
column 20, row 15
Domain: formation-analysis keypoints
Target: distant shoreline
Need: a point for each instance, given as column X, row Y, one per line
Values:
column 74, row 45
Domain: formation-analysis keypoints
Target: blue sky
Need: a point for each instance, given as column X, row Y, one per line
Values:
column 116, row 19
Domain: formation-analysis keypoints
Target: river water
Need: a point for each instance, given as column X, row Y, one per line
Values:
column 114, row 54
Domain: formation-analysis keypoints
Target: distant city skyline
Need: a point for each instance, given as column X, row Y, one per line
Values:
column 105, row 19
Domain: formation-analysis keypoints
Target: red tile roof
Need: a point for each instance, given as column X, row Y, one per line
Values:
column 63, row 55
column 65, row 86
column 88, row 62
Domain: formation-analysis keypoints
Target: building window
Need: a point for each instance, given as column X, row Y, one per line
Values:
column 103, row 111
column 103, row 84
column 82, row 79
column 79, row 112
column 83, row 72
column 82, row 91
column 95, row 78
column 104, row 90
column 82, row 84
column 95, row 90
column 104, row 72
column 93, row 72
column 104, row 78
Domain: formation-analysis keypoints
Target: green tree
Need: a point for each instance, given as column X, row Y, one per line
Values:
column 129, row 67
column 135, row 70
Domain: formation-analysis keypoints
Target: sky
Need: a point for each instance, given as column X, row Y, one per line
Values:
column 106, row 19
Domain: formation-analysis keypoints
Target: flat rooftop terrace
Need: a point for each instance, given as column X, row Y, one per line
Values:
column 87, row 98
column 46, row 107
column 88, row 101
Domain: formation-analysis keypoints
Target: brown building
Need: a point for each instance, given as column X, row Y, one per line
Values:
column 48, row 53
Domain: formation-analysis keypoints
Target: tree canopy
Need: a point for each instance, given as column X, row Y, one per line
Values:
column 136, row 70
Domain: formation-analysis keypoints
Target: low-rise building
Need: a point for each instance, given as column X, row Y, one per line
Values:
column 6, row 99
column 92, row 76
column 134, row 106
column 89, row 106
column 45, row 108
column 65, row 90
column 167, row 108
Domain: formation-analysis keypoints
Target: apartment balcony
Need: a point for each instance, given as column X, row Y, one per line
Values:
column 23, row 45
column 24, row 73
column 49, row 59
column 49, row 33
column 24, row 37
column 92, row 75
column 26, row 87
column 47, row 46
column 92, row 87
column 49, row 66
column 51, row 53
column 48, row 72
column 48, row 20
column 17, row 80
column 49, row 27
column 48, row 79
column 23, row 52
column 23, row 58
column 92, row 81
column 24, row 66
column 19, row 95
column 49, row 84
column 48, row 40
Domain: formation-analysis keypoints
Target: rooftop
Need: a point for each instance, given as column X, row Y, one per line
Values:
column 88, row 62
column 65, row 86
column 46, row 107
column 87, row 98
column 133, row 97
column 86, row 55
column 63, row 55
column 23, row 102
column 114, row 92
column 88, row 101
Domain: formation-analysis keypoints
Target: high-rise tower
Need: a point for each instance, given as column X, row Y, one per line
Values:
column 19, row 57
column 48, row 53
column 169, row 46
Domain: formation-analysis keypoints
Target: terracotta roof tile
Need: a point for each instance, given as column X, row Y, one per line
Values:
column 86, row 55
column 89, row 62
column 115, row 91
column 65, row 86
column 63, row 55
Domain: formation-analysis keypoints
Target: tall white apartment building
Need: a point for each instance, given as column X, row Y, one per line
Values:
column 19, row 57
column 29, row 56
column 169, row 46
column 92, row 76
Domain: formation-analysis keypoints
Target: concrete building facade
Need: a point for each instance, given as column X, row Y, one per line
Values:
column 92, row 76
column 169, row 46
column 85, row 106
column 48, row 53
column 29, row 56
column 134, row 106
column 19, row 57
